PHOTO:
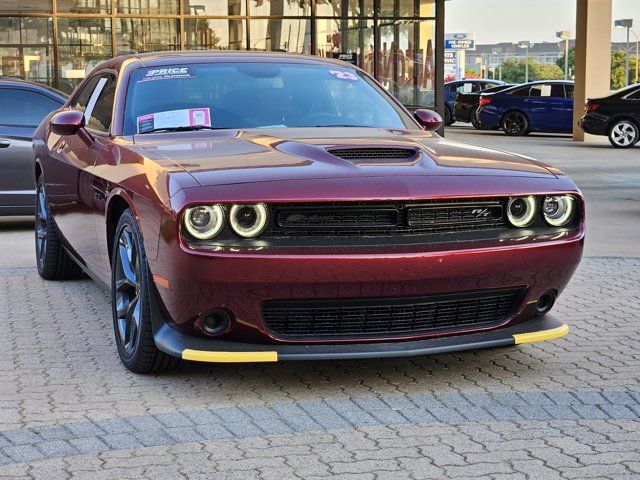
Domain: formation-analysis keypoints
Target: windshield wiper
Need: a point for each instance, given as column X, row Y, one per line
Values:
column 188, row 128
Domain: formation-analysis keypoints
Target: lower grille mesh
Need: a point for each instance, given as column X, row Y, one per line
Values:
column 390, row 316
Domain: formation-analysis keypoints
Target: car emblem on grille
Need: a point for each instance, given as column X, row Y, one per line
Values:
column 480, row 212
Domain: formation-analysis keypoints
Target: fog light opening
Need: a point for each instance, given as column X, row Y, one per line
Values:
column 545, row 302
column 214, row 322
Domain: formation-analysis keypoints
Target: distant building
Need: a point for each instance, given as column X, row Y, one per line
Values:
column 544, row 52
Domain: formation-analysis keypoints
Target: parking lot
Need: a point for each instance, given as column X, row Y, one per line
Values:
column 563, row 409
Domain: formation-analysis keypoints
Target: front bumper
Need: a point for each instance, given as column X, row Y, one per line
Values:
column 201, row 349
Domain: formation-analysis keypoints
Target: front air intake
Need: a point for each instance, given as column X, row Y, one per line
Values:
column 375, row 154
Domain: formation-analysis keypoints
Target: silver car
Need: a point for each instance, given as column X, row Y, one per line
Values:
column 23, row 105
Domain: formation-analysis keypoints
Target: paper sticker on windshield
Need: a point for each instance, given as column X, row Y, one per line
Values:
column 344, row 75
column 166, row 73
column 187, row 117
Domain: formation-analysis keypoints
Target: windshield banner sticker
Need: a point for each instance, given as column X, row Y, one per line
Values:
column 342, row 75
column 168, row 73
column 187, row 117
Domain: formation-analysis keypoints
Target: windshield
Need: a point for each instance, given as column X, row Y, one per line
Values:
column 255, row 95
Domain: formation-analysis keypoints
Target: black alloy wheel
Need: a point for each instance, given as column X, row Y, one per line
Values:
column 130, row 296
column 515, row 124
column 53, row 262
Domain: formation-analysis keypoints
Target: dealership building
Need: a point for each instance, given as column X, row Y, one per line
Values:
column 58, row 42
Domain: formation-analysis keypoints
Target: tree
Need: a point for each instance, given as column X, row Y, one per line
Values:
column 515, row 71
column 617, row 69
column 572, row 60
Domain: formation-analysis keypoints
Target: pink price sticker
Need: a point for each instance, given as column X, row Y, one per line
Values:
column 344, row 75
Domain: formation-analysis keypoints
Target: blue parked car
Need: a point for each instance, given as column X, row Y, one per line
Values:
column 545, row 106
column 452, row 89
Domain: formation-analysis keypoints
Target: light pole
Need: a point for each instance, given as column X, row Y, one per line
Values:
column 526, row 45
column 565, row 35
column 498, row 53
column 625, row 23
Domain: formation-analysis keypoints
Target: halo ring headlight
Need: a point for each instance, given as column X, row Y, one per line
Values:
column 249, row 220
column 204, row 221
column 558, row 210
column 521, row 211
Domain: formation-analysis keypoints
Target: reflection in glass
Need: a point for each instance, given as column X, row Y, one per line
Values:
column 347, row 40
column 407, row 61
column 83, row 43
column 137, row 35
column 25, row 6
column 210, row 34
column 214, row 7
column 26, row 48
column 84, row 6
column 407, row 8
column 149, row 7
column 281, row 35
column 344, row 8
column 278, row 8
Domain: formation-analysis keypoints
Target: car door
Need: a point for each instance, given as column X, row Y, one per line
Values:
column 21, row 112
column 567, row 108
column 544, row 106
column 69, row 180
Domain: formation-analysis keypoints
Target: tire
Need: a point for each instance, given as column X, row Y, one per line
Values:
column 473, row 117
column 515, row 124
column 448, row 117
column 53, row 262
column 624, row 134
column 130, row 300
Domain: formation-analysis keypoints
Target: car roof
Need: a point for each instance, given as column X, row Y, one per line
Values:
column 475, row 80
column 195, row 56
column 18, row 82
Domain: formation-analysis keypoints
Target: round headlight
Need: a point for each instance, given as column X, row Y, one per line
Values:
column 249, row 221
column 521, row 211
column 204, row 221
column 558, row 211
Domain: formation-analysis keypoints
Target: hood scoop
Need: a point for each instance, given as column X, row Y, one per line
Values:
column 377, row 155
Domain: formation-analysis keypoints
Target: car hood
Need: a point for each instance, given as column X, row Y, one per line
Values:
column 261, row 155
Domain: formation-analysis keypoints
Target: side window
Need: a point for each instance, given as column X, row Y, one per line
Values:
column 547, row 90
column 466, row 88
column 568, row 88
column 81, row 99
column 100, row 106
column 520, row 92
column 25, row 108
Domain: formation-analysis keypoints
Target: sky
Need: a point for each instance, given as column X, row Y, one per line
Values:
column 534, row 20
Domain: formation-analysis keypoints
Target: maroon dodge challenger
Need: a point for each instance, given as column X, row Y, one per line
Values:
column 256, row 207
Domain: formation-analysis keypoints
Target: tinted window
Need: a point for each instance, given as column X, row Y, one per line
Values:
column 100, row 107
column 569, row 90
column 547, row 90
column 81, row 99
column 256, row 95
column 520, row 92
column 24, row 107
column 468, row 87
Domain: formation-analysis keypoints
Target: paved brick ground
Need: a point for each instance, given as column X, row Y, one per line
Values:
column 563, row 409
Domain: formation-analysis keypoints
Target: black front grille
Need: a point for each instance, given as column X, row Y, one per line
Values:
column 368, row 318
column 375, row 154
column 386, row 218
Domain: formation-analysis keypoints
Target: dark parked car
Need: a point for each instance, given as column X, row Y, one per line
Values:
column 616, row 116
column 532, row 107
column 467, row 104
column 23, row 105
column 236, row 218
column 452, row 89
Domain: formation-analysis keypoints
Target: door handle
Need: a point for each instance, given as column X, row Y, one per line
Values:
column 4, row 143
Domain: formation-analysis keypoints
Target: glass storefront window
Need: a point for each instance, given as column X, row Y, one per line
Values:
column 407, row 8
column 280, row 8
column 83, row 43
column 407, row 61
column 84, row 6
column 215, row 34
column 346, row 39
column 25, row 6
column 214, row 7
column 344, row 8
column 137, row 35
column 149, row 7
column 26, row 48
column 281, row 35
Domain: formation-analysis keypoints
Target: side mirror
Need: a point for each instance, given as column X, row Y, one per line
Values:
column 68, row 122
column 429, row 119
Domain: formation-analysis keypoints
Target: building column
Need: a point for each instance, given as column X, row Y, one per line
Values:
column 593, row 56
